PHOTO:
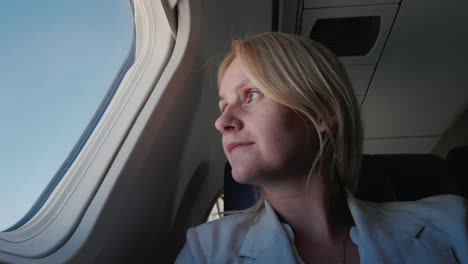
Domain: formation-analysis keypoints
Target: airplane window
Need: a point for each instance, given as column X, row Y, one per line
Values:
column 61, row 62
column 217, row 209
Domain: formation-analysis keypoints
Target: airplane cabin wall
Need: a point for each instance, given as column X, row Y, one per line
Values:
column 421, row 83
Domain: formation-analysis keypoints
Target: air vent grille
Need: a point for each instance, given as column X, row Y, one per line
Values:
column 349, row 36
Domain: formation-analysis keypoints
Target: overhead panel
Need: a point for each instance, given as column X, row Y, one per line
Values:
column 420, row 84
column 341, row 3
column 356, row 34
column 412, row 90
column 347, row 36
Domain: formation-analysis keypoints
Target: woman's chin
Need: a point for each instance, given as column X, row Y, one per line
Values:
column 243, row 175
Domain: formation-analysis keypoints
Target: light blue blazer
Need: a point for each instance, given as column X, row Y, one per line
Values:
column 432, row 230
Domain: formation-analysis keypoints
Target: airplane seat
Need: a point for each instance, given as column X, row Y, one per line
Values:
column 240, row 196
column 404, row 177
column 384, row 178
column 458, row 162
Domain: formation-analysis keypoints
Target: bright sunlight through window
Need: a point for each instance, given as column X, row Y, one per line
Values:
column 59, row 59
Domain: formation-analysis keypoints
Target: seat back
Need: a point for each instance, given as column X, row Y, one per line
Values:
column 237, row 196
column 457, row 159
column 384, row 178
column 404, row 177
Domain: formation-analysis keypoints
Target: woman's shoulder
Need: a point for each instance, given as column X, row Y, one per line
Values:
column 447, row 203
column 218, row 239
column 231, row 229
column 437, row 226
column 441, row 211
column 225, row 225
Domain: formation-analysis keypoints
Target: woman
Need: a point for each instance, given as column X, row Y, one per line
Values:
column 290, row 125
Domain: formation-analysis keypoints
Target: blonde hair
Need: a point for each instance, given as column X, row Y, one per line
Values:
column 305, row 76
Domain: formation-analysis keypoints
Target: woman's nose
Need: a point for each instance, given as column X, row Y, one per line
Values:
column 228, row 122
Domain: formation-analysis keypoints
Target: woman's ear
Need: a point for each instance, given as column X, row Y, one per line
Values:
column 323, row 125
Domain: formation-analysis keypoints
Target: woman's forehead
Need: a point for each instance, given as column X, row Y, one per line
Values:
column 233, row 79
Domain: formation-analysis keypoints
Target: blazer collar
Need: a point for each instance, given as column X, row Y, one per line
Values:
column 378, row 232
column 382, row 232
column 266, row 240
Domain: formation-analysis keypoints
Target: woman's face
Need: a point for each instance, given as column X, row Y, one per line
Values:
column 264, row 141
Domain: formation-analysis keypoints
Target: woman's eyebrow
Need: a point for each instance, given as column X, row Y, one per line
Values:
column 237, row 87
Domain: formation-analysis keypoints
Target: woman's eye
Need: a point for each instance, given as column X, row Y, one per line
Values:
column 253, row 95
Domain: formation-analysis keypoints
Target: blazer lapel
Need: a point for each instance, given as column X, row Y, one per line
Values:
column 381, row 232
column 266, row 241
column 381, row 236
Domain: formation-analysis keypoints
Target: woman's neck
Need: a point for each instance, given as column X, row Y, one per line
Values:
column 316, row 214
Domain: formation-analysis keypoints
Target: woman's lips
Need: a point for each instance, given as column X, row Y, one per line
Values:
column 234, row 145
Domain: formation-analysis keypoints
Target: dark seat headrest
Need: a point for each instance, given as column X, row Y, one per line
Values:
column 237, row 196
column 457, row 159
column 388, row 177
column 404, row 177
